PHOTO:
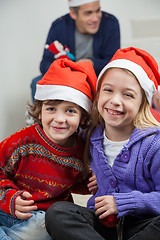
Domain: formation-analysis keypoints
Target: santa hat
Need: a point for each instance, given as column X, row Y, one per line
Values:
column 69, row 81
column 141, row 64
column 76, row 3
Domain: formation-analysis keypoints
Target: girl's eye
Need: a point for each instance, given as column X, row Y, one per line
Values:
column 129, row 95
column 107, row 90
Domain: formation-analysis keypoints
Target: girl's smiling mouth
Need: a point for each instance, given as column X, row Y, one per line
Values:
column 114, row 112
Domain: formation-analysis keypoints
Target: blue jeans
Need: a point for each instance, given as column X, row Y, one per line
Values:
column 33, row 85
column 17, row 229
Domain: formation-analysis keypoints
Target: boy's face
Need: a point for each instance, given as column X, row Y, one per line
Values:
column 88, row 18
column 60, row 120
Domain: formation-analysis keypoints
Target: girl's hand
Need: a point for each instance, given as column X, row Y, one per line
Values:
column 23, row 206
column 105, row 206
column 92, row 185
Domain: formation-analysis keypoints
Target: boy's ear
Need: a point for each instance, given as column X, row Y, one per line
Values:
column 40, row 116
column 83, row 120
column 72, row 14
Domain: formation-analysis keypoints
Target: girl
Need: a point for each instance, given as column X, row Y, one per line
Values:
column 124, row 155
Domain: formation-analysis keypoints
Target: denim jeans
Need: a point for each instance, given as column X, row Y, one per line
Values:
column 30, row 229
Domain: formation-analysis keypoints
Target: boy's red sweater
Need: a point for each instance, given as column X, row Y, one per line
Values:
column 30, row 161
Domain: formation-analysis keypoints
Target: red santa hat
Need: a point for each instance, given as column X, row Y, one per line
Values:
column 141, row 64
column 69, row 81
column 76, row 3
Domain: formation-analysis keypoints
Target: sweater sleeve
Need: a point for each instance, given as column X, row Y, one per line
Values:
column 137, row 203
column 142, row 202
column 8, row 189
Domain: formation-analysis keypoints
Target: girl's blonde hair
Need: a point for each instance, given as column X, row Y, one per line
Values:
column 144, row 118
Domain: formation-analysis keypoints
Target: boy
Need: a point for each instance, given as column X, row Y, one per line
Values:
column 42, row 164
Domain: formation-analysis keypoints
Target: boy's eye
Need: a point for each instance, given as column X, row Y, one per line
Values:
column 50, row 109
column 71, row 111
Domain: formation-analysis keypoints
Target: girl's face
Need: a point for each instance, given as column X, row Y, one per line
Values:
column 60, row 121
column 119, row 100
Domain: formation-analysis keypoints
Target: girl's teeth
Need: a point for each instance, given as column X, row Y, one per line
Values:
column 114, row 113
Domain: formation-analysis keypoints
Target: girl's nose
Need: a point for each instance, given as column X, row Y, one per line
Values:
column 116, row 99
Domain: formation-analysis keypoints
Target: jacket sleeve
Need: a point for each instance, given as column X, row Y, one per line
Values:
column 48, row 57
column 61, row 30
column 8, row 189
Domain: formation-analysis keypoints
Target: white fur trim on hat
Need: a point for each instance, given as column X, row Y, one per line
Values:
column 146, row 83
column 76, row 3
column 59, row 92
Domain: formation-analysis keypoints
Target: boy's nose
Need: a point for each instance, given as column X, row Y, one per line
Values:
column 59, row 117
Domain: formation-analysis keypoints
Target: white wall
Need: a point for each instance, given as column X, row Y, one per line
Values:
column 24, row 25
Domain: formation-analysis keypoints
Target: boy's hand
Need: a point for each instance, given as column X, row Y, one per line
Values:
column 105, row 206
column 92, row 185
column 23, row 206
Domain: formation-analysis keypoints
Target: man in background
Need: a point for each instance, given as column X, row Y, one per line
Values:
column 89, row 33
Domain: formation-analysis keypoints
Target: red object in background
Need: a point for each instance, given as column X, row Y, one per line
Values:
column 58, row 50
column 110, row 221
column 155, row 114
